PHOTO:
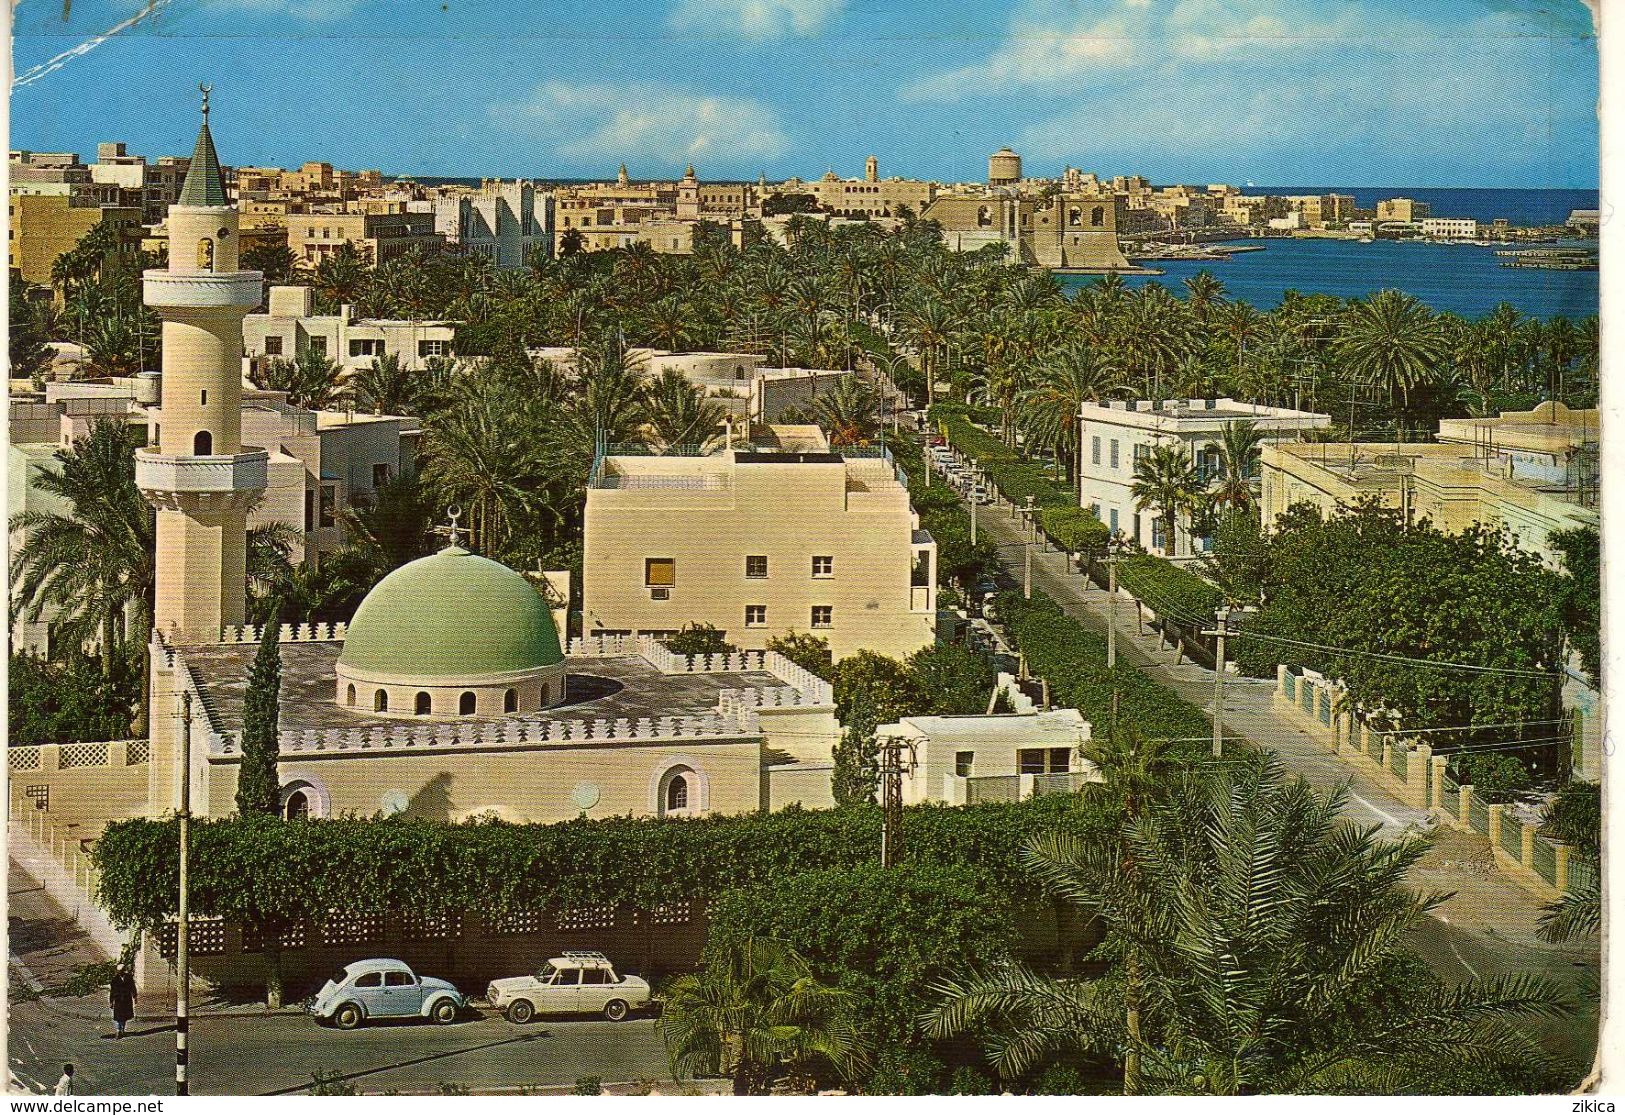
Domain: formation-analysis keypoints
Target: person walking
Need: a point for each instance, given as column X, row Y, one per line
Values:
column 64, row 1087
column 121, row 997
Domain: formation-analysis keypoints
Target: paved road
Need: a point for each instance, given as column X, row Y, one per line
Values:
column 1486, row 929
column 271, row 1054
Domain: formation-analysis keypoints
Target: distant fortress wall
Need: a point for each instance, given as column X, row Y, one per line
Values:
column 1069, row 231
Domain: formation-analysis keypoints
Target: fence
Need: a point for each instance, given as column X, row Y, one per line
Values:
column 1478, row 815
column 1450, row 797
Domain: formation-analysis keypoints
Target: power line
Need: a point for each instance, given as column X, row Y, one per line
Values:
column 1507, row 670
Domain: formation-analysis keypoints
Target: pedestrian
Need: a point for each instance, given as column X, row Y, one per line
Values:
column 121, row 997
column 64, row 1087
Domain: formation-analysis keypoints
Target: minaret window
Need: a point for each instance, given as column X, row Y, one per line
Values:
column 203, row 398
column 380, row 701
column 205, row 254
column 422, row 708
column 349, row 696
column 510, row 701
column 203, row 444
column 465, row 705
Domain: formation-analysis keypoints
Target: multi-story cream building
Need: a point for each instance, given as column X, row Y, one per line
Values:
column 1403, row 210
column 42, row 227
column 382, row 237
column 1534, row 472
column 291, row 326
column 507, row 222
column 1450, row 228
column 759, row 542
column 1113, row 438
column 868, row 197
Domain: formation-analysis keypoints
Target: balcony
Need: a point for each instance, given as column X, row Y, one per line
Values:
column 187, row 475
column 240, row 290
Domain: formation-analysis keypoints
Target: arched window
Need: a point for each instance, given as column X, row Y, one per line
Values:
column 1097, row 216
column 984, row 216
column 547, row 696
column 1074, row 216
column 202, row 444
column 465, row 705
column 677, row 793
column 205, row 254
column 297, row 807
column 380, row 701
column 510, row 701
column 421, row 706
column 349, row 696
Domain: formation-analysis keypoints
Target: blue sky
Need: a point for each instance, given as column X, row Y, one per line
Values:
column 1348, row 92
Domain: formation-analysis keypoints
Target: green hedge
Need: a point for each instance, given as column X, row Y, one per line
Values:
column 1016, row 476
column 1073, row 658
column 884, row 934
column 1170, row 591
column 1075, row 530
column 260, row 868
column 943, row 516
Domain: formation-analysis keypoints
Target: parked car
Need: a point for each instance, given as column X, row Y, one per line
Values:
column 370, row 989
column 576, row 983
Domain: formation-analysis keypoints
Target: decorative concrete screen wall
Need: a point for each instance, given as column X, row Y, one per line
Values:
column 79, row 785
column 1417, row 776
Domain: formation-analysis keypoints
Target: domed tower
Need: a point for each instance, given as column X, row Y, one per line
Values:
column 196, row 472
column 1003, row 168
column 451, row 635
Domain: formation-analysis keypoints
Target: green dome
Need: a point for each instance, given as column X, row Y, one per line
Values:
column 451, row 615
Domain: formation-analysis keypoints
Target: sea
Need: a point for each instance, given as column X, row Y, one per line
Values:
column 1464, row 279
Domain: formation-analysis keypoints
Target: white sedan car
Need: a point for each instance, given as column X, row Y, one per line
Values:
column 575, row 983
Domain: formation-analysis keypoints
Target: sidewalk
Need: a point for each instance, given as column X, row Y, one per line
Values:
column 1485, row 901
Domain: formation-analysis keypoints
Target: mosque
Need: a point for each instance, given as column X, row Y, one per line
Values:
column 451, row 694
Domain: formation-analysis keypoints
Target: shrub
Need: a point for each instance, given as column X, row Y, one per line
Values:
column 68, row 701
column 698, row 638
column 809, row 652
column 1172, row 592
column 970, row 1081
column 885, row 935
column 906, row 1072
column 1495, row 775
column 589, row 1086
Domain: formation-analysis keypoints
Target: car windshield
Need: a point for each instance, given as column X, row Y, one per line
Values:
column 545, row 972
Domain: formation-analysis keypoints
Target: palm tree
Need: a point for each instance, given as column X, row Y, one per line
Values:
column 679, row 414
column 1204, row 291
column 929, row 326
column 342, row 278
column 752, row 1012
column 1238, row 445
column 385, row 385
column 1049, row 409
column 1165, row 479
column 1575, row 915
column 93, row 560
column 1271, row 939
column 310, row 379
column 1393, row 342
column 850, row 414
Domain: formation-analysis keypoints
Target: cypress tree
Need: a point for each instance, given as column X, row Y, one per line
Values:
column 856, row 777
column 258, row 788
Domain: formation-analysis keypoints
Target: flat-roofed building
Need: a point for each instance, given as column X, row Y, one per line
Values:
column 291, row 326
column 1404, row 210
column 785, row 536
column 380, row 236
column 1115, row 436
column 1450, row 228
column 1533, row 472
column 506, row 222
column 962, row 760
column 45, row 226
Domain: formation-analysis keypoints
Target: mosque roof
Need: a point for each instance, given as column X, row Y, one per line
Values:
column 452, row 615
column 204, row 186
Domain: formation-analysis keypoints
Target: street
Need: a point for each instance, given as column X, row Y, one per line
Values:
column 276, row 1054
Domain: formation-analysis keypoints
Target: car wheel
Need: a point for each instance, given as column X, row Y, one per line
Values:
column 615, row 1010
column 520, row 1011
column 444, row 1012
column 347, row 1017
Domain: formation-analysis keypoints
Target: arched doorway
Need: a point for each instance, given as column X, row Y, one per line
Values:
column 203, row 444
column 465, row 705
column 422, row 705
column 297, row 806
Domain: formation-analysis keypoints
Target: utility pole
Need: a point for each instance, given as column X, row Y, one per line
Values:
column 1027, row 574
column 1222, row 616
column 892, row 769
column 183, row 929
column 1111, row 627
column 975, row 487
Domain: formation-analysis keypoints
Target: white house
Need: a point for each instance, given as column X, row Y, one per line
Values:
column 292, row 326
column 1002, row 757
column 1114, row 436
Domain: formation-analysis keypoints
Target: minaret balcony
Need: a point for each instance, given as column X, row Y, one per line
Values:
column 202, row 290
column 164, row 478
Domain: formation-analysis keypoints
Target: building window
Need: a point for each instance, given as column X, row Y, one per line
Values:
column 380, row 701
column 203, row 444
column 1114, row 520
column 422, row 706
column 297, row 807
column 756, row 565
column 318, row 345
column 328, row 508
column 310, row 509
column 433, row 348
column 465, row 705
column 1044, row 760
column 380, row 475
column 659, row 572
column 349, row 696
column 1114, row 453
column 1094, row 451
column 962, row 763
column 677, row 794
column 510, row 701
column 273, row 346
column 205, row 254
column 203, row 398
column 755, row 615
column 823, row 567
column 823, row 616
column 361, row 346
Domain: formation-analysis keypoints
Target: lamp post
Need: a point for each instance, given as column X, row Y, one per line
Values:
column 183, row 930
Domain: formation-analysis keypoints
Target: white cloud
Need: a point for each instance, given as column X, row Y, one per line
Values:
column 754, row 19
column 647, row 121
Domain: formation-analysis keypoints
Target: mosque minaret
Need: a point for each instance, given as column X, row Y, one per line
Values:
column 197, row 472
